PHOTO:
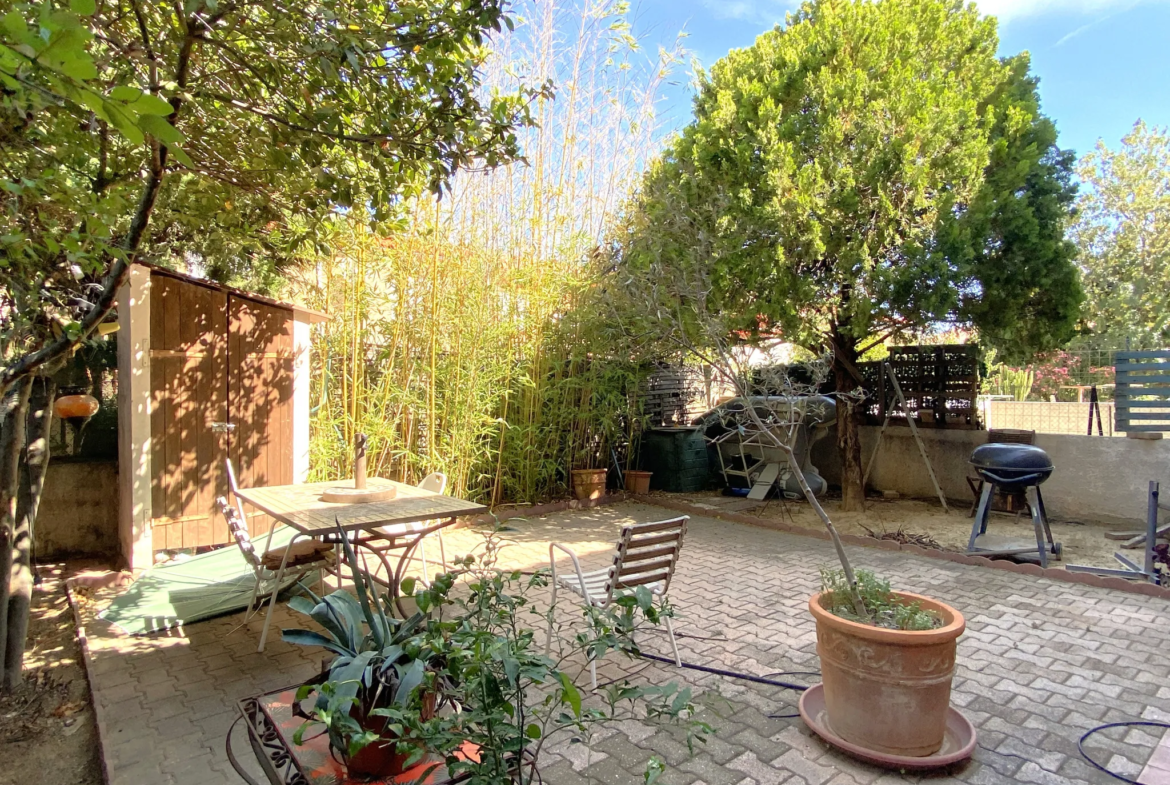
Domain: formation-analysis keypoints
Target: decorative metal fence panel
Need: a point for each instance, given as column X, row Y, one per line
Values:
column 1143, row 391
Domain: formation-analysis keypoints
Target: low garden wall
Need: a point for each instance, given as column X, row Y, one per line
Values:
column 79, row 510
column 1097, row 479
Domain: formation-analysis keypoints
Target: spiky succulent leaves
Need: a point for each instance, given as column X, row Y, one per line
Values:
column 409, row 678
column 344, row 635
column 359, row 585
column 347, row 679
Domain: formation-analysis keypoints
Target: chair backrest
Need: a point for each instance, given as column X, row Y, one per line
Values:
column 435, row 482
column 647, row 553
column 238, row 529
column 235, row 489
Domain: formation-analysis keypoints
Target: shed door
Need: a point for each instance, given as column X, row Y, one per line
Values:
column 215, row 358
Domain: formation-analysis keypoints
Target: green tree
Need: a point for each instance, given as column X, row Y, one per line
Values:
column 867, row 169
column 222, row 129
column 1123, row 231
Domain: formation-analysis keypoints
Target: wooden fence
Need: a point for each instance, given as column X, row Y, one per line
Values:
column 1143, row 391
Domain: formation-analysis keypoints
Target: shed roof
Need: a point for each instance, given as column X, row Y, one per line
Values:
column 308, row 314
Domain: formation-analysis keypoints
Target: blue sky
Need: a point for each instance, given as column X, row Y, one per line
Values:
column 1102, row 63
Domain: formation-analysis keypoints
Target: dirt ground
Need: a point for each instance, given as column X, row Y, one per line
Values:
column 924, row 522
column 47, row 730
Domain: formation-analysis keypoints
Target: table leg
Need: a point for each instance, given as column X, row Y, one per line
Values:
column 401, row 571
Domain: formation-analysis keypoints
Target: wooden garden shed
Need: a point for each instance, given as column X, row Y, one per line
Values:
column 205, row 372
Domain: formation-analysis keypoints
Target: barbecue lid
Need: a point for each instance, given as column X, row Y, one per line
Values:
column 1023, row 457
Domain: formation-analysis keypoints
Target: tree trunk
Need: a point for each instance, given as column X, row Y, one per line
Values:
column 848, row 434
column 14, row 409
column 20, row 586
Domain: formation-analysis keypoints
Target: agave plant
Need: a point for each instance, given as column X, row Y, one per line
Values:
column 380, row 665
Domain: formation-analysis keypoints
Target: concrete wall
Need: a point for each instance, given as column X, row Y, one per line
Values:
column 1097, row 479
column 79, row 511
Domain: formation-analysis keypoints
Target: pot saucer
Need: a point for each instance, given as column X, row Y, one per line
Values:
column 958, row 739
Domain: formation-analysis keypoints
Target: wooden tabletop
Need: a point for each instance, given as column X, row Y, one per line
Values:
column 300, row 506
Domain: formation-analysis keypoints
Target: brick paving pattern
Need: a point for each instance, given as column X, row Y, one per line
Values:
column 1041, row 663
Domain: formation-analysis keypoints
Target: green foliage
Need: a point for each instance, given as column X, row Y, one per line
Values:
column 223, row 134
column 884, row 607
column 1014, row 279
column 866, row 170
column 451, row 362
column 1123, row 232
column 380, row 665
column 465, row 339
column 870, row 168
column 1003, row 379
column 819, row 163
column 478, row 655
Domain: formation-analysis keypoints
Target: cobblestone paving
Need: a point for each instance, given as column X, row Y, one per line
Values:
column 1041, row 662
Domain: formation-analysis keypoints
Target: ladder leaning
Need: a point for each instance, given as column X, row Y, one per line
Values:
column 913, row 430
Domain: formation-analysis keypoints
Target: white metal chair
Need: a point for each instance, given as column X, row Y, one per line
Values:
column 646, row 555
column 435, row 482
column 274, row 567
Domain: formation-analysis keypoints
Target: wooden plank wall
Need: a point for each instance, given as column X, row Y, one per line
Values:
column 1142, row 395
column 215, row 357
column 260, row 347
column 188, row 351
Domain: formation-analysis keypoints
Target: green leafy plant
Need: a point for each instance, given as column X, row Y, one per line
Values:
column 383, row 666
column 469, row 646
column 512, row 697
column 884, row 607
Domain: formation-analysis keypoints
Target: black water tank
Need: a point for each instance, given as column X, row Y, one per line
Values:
column 678, row 458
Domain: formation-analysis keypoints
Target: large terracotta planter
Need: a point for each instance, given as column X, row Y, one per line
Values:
column 638, row 482
column 589, row 483
column 888, row 690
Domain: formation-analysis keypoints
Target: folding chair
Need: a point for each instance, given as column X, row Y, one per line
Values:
column 646, row 555
column 435, row 482
column 274, row 566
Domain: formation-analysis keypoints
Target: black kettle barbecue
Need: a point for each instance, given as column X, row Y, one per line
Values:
column 1012, row 468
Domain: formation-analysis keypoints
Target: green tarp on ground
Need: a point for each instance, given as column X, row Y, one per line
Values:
column 179, row 593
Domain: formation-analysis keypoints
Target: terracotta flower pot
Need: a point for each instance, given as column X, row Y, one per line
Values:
column 380, row 759
column 589, row 483
column 888, row 690
column 638, row 482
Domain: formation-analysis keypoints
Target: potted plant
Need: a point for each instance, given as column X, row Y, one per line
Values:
column 464, row 683
column 383, row 669
column 512, row 698
column 887, row 677
column 638, row 481
column 589, row 483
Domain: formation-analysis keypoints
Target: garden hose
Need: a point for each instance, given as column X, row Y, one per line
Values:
column 735, row 674
column 1132, row 724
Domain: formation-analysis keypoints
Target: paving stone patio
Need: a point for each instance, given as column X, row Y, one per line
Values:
column 1041, row 663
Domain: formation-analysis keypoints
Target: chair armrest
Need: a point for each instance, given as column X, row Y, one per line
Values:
column 552, row 561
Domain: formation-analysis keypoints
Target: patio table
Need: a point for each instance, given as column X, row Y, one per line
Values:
column 301, row 508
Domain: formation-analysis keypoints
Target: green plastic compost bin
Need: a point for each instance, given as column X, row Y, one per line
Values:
column 678, row 458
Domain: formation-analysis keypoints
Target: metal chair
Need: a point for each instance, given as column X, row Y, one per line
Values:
column 435, row 482
column 273, row 567
column 646, row 555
